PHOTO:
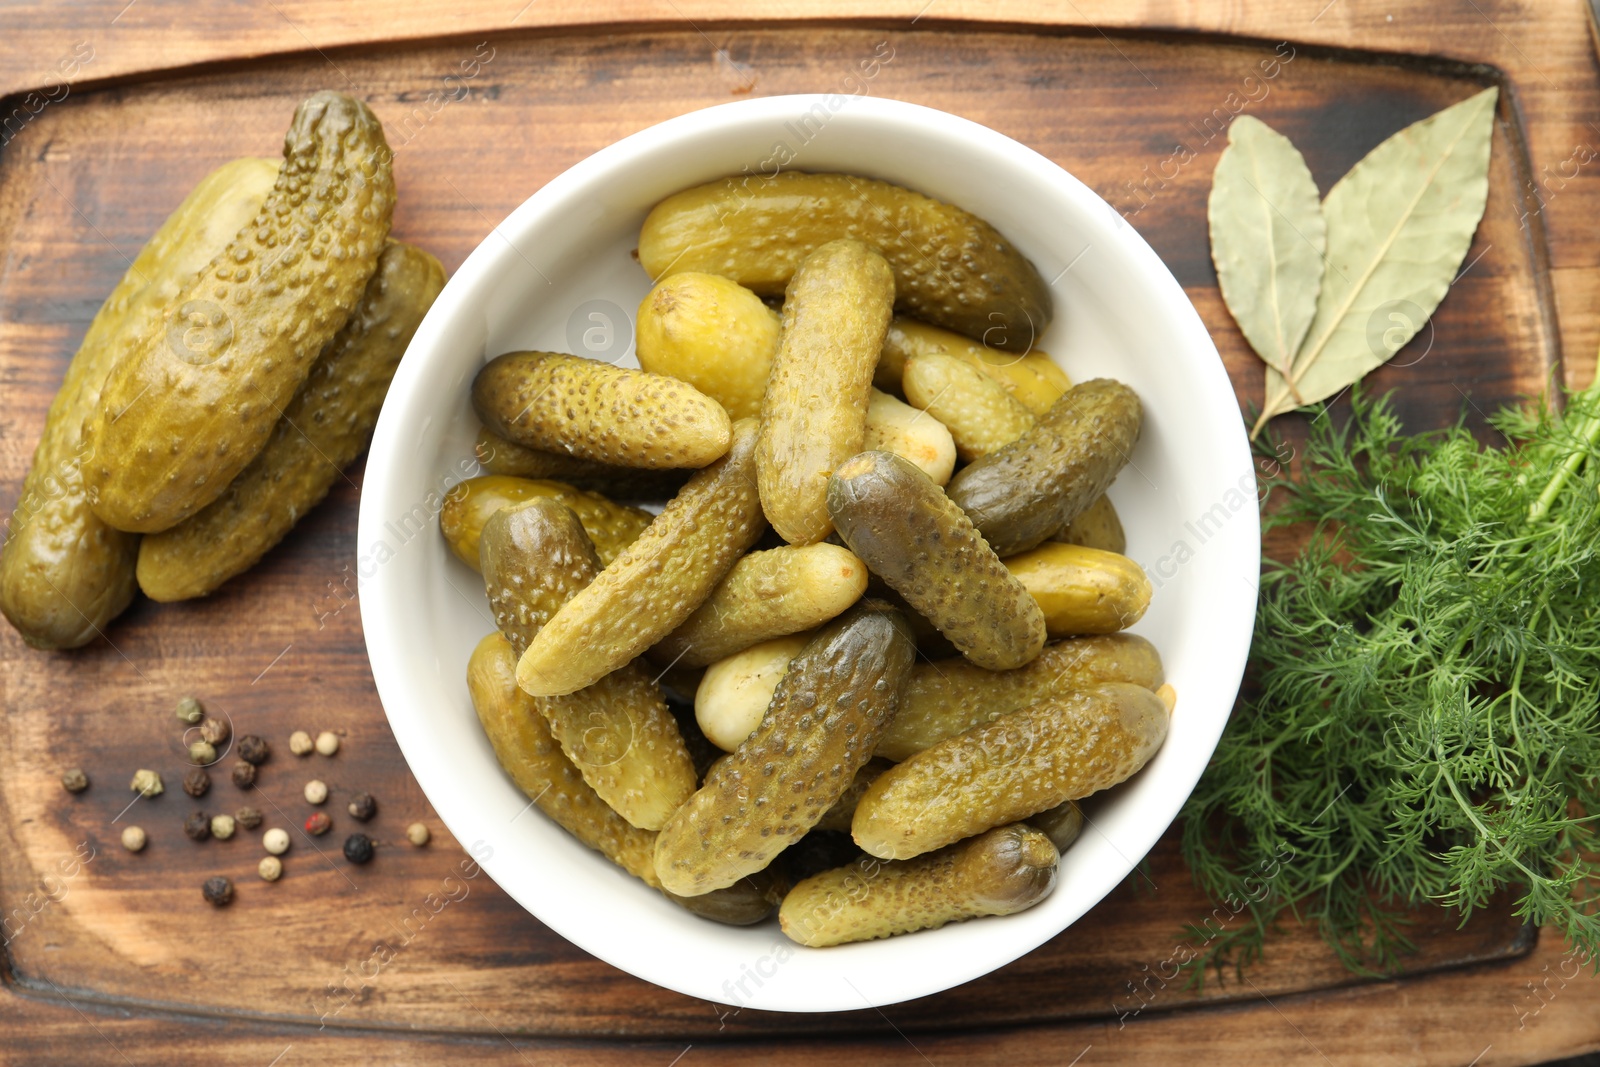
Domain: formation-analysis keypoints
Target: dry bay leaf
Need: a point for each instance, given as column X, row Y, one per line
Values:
column 1267, row 239
column 1399, row 225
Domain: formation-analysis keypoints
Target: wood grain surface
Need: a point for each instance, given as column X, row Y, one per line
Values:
column 88, row 177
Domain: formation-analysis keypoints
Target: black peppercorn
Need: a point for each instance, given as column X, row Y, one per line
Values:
column 244, row 774
column 358, row 848
column 362, row 807
column 218, row 891
column 249, row 818
column 196, row 782
column 197, row 826
column 253, row 749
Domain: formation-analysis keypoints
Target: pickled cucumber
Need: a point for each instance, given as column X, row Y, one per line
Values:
column 947, row 697
column 1033, row 378
column 467, row 506
column 914, row 436
column 618, row 731
column 822, row 725
column 914, row 538
column 1031, row 488
column 950, row 268
column 744, row 903
column 327, row 424
column 713, row 333
column 843, row 811
column 593, row 410
column 1007, row 870
column 1062, row 824
column 1099, row 526
column 500, row 456
column 657, row 582
column 980, row 415
column 766, row 594
column 64, row 573
column 1018, row 765
column 197, row 397
column 1082, row 590
column 814, row 416
column 735, row 693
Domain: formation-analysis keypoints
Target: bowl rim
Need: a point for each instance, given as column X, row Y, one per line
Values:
column 377, row 600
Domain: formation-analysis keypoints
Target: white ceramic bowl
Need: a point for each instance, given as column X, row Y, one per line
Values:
column 1187, row 500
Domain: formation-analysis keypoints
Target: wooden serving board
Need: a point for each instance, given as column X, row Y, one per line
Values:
column 411, row 942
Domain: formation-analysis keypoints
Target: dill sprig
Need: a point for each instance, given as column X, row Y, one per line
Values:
column 1422, row 723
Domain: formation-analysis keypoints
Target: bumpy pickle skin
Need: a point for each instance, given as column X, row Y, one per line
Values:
column 981, row 416
column 64, row 573
column 658, row 581
column 618, row 731
column 823, row 723
column 1099, row 526
column 1062, row 824
column 914, row 538
column 497, row 455
column 324, row 428
column 1032, row 378
column 1082, row 590
column 914, row 436
column 949, row 697
column 198, row 396
column 1025, row 492
column 950, row 267
column 838, row 817
column 595, row 411
column 1007, row 870
column 713, row 333
column 767, row 594
column 1020, row 764
column 467, row 507
column 814, row 415
column 735, row 692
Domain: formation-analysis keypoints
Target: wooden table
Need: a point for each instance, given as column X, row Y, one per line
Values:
column 122, row 963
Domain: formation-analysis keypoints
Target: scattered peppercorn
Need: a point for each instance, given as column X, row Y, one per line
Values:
column 196, row 782
column 316, row 791
column 244, row 774
column 146, row 783
column 247, row 817
column 358, row 848
column 75, row 781
column 133, row 839
column 362, row 807
column 222, row 826
column 270, row 868
column 417, row 834
column 202, row 753
column 327, row 742
column 218, row 891
column 197, row 826
column 300, row 743
column 215, row 730
column 318, row 823
column 253, row 749
column 276, row 840
column 190, row 711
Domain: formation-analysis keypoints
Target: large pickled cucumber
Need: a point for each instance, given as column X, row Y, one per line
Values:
column 618, row 731
column 593, row 410
column 658, row 580
column 1098, row 526
column 1022, row 763
column 64, row 573
column 467, row 506
column 198, row 397
column 814, row 416
column 714, row 334
column 913, row 537
column 980, row 415
column 1031, row 488
column 823, row 724
column 950, row 267
column 947, row 697
column 1082, row 590
column 767, row 594
column 327, row 424
column 1007, row 870
column 500, row 456
column 1033, row 378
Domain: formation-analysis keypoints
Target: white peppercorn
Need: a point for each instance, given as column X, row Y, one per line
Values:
column 316, row 791
column 202, row 753
column 146, row 783
column 276, row 841
column 222, row 826
column 133, row 839
column 300, row 743
column 75, row 781
column 327, row 742
column 215, row 730
column 270, row 868
column 417, row 834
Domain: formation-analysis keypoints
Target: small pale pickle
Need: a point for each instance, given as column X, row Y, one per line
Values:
column 713, row 333
column 734, row 693
column 981, row 416
column 1033, row 378
column 1082, row 590
column 914, row 436
column 468, row 505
